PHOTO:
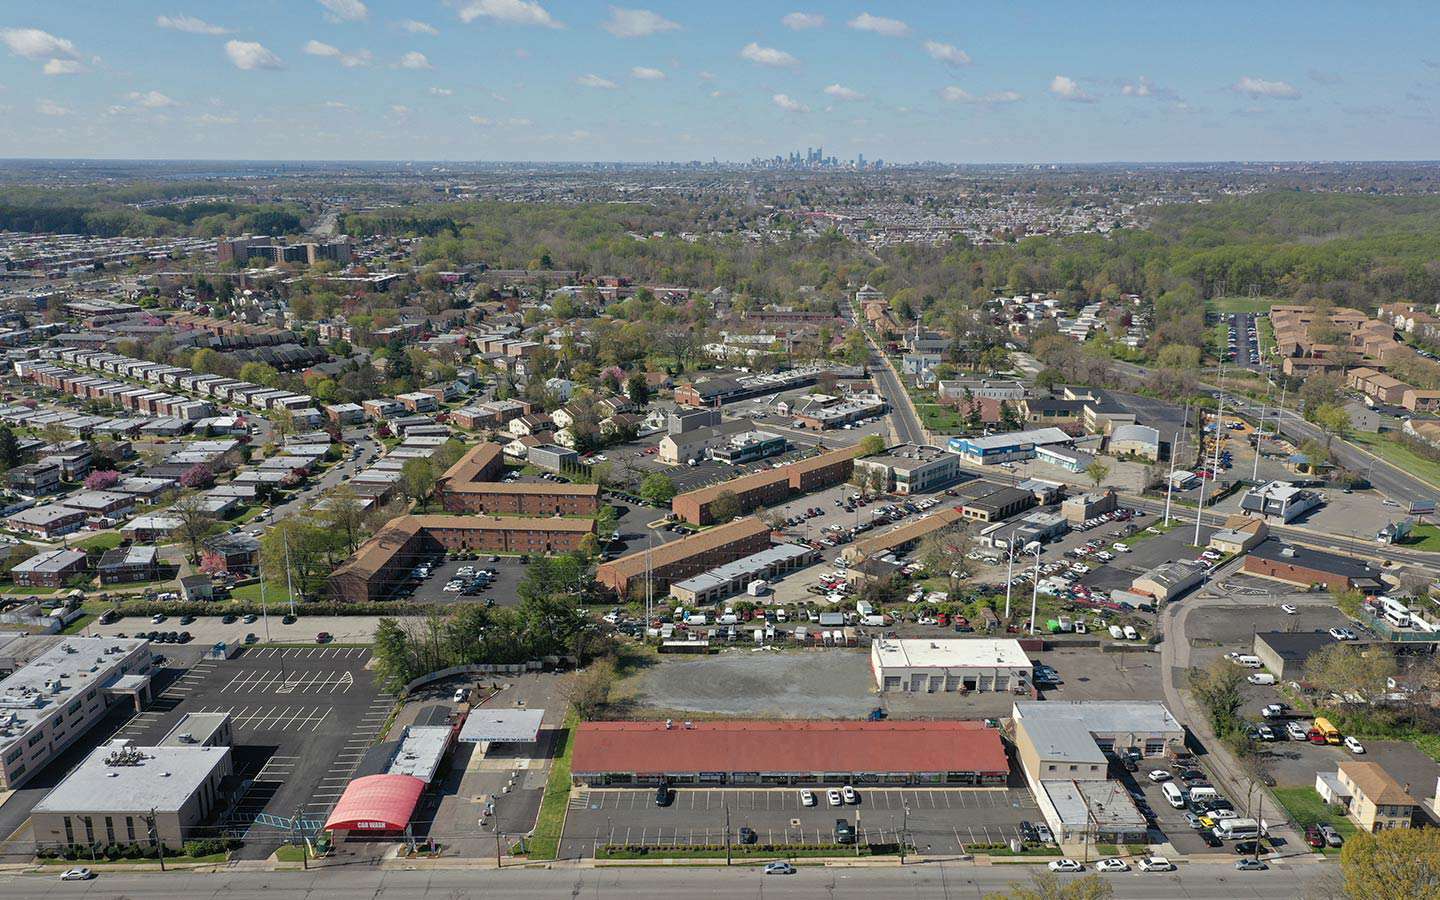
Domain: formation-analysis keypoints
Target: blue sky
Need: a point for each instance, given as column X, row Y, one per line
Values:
column 556, row 80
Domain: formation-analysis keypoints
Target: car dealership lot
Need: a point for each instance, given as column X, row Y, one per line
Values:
column 939, row 821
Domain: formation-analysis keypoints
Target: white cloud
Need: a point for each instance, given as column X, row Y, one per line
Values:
column 51, row 108
column 189, row 25
column 785, row 102
column 841, row 92
column 348, row 60
column 400, row 110
column 633, row 23
column 1067, row 88
column 345, row 10
column 955, row 94
column 482, row 121
column 337, row 104
column 415, row 26
column 1142, row 88
column 486, row 122
column 62, row 67
column 32, row 43
column 150, row 99
column 767, row 56
column 250, row 55
column 212, row 119
column 441, row 92
column 511, row 12
column 646, row 73
column 879, row 25
column 947, row 53
column 595, row 81
column 414, row 60
column 1259, row 87
column 798, row 21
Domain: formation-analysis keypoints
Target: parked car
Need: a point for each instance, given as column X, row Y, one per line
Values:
column 663, row 795
column 1043, row 835
column 807, row 798
column 1156, row 864
column 1160, row 775
column 1066, row 864
column 849, row 794
column 833, row 797
column 1332, row 837
column 1250, row 865
column 1112, row 865
column 779, row 868
column 1314, row 837
column 79, row 873
column 748, row 835
column 1353, row 745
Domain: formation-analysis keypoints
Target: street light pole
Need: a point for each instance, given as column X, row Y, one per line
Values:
column 1009, row 576
column 1035, row 590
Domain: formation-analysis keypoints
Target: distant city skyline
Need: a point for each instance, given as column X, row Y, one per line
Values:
column 546, row 80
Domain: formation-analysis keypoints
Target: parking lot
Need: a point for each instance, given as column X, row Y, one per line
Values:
column 509, row 571
column 302, row 719
column 209, row 630
column 941, row 821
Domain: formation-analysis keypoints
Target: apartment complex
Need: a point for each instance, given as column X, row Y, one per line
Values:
column 768, row 487
column 681, row 559
column 469, row 487
column 382, row 563
column 913, row 469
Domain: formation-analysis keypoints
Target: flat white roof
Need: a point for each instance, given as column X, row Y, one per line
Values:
column 420, row 751
column 1105, row 716
column 42, row 687
column 119, row 778
column 954, row 653
column 511, row 726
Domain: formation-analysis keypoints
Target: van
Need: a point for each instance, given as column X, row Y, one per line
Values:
column 1116, row 633
column 1173, row 794
column 1237, row 829
column 1198, row 794
column 1248, row 661
column 1131, row 633
column 1261, row 678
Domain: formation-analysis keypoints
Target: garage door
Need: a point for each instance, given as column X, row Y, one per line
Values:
column 893, row 682
column 952, row 683
column 917, row 683
column 986, row 683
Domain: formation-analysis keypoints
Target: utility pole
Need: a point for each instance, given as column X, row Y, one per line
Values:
column 1035, row 590
column 498, row 864
column 155, row 833
column 727, row 834
column 1170, row 482
column 857, row 831
column 264, row 610
column 1009, row 577
column 289, row 587
column 904, row 830
column 1219, row 416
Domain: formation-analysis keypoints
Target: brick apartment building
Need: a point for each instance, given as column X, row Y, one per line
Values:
column 469, row 486
column 384, row 561
column 680, row 559
column 769, row 487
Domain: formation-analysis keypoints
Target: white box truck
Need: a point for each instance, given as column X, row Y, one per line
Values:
column 832, row 618
column 757, row 588
column 864, row 608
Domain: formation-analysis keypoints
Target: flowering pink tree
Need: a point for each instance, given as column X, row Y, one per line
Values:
column 212, row 563
column 198, row 476
column 102, row 479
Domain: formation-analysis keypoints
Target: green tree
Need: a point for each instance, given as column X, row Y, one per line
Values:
column 725, row 507
column 1046, row 885
column 872, row 444
column 1400, row 864
column 1097, row 472
column 638, row 390
column 1352, row 670
column 10, row 455
column 417, row 480
column 1333, row 420
column 657, row 488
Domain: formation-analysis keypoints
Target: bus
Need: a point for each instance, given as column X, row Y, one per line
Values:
column 1324, row 733
column 1396, row 613
column 1237, row 829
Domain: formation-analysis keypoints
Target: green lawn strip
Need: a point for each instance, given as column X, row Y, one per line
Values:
column 22, row 591
column 78, row 625
column 737, row 851
column 99, row 542
column 1423, row 537
column 290, row 853
column 250, row 593
column 170, row 859
column 1305, row 806
column 545, row 843
column 1400, row 456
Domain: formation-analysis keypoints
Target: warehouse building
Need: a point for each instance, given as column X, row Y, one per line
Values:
column 677, row 560
column 1146, row 725
column 59, row 695
column 998, row 448
column 763, row 753
column 769, row 486
column 926, row 666
column 1080, row 507
column 913, row 469
column 1170, row 580
column 903, row 537
column 1285, row 653
column 1308, row 568
column 991, row 503
column 124, row 794
column 1279, row 500
column 1240, row 535
column 724, row 582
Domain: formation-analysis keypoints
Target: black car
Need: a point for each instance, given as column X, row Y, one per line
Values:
column 187, row 620
column 748, row 835
column 844, row 832
column 1027, row 832
column 172, row 637
column 288, row 620
column 186, row 637
column 1210, row 839
column 663, row 795
column 1249, row 848
column 228, row 619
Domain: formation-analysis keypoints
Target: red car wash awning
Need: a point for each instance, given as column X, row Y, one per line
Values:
column 376, row 803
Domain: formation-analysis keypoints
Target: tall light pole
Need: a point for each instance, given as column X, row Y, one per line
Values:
column 1009, row 575
column 1035, row 590
column 1170, row 482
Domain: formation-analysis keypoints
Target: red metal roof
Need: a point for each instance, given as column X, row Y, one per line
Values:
column 754, row 746
column 376, row 803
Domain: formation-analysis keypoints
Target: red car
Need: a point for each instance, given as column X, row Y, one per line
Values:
column 942, row 620
column 1313, row 837
column 324, row 637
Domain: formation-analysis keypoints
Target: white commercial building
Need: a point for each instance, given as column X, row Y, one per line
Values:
column 924, row 666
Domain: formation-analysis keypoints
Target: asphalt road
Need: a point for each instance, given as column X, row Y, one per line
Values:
column 907, row 425
column 1217, row 881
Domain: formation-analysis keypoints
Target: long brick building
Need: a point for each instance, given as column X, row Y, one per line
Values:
column 680, row 559
column 469, row 486
column 383, row 562
column 766, row 488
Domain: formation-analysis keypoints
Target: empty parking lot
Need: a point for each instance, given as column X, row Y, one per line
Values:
column 939, row 820
column 302, row 718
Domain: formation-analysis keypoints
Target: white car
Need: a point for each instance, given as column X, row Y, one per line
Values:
column 460, row 695
column 1112, row 865
column 1120, row 548
column 1353, row 745
column 1156, row 864
column 833, row 796
column 1065, row 864
column 1289, row 609
column 78, row 874
column 849, row 794
column 1338, row 634
column 807, row 798
column 1160, row 775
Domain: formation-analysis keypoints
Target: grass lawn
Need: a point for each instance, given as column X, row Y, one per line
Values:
column 737, row 851
column 1241, row 304
column 176, row 859
column 1424, row 537
column 290, row 853
column 79, row 624
column 1397, row 454
column 99, row 542
column 940, row 418
column 22, row 591
column 546, row 842
column 250, row 593
column 1306, row 808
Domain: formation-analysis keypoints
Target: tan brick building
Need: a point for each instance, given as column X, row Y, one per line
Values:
column 680, row 559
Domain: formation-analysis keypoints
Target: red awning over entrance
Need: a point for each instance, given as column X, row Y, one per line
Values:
column 376, row 803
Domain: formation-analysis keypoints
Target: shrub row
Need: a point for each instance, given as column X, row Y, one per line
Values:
column 147, row 608
column 113, row 852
